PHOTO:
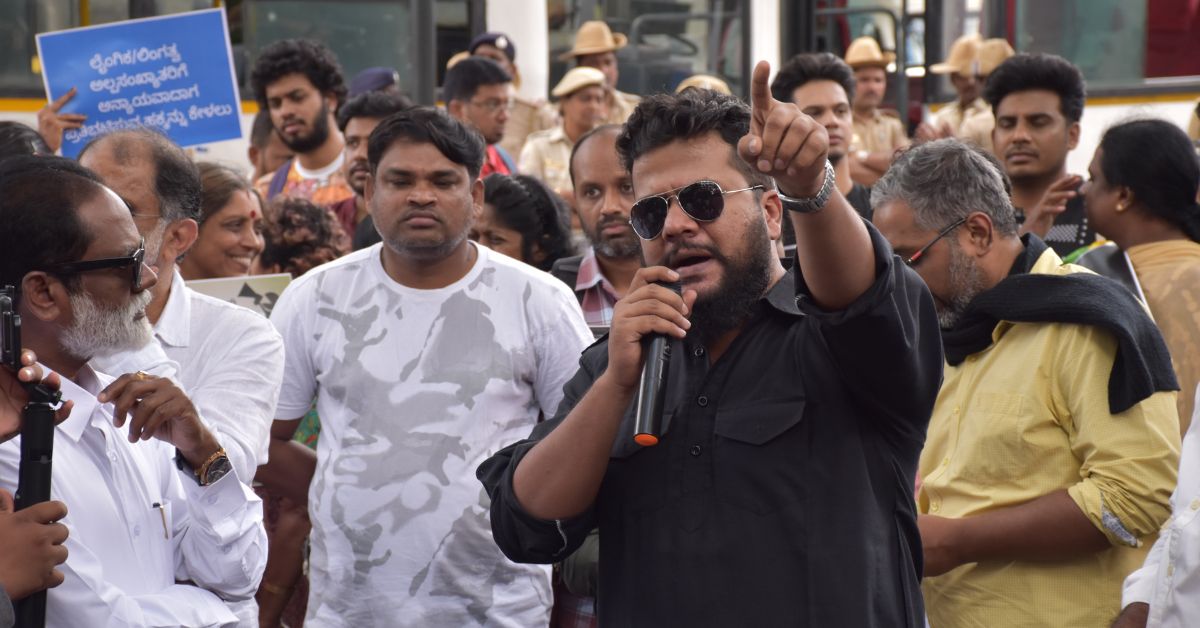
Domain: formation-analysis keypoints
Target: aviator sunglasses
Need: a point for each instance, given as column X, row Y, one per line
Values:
column 703, row 201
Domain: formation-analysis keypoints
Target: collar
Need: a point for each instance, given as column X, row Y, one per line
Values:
column 83, row 392
column 590, row 274
column 174, row 326
column 558, row 134
column 782, row 296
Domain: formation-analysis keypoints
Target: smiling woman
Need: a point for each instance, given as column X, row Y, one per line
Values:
column 231, row 224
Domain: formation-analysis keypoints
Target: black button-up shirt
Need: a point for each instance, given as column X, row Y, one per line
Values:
column 781, row 492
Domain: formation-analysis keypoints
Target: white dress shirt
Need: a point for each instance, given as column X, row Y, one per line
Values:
column 229, row 361
column 138, row 526
column 1169, row 581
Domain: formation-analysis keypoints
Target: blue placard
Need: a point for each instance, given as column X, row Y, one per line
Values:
column 173, row 73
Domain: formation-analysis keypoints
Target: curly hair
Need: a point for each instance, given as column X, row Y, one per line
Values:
column 527, row 206
column 665, row 118
column 298, row 56
column 1025, row 72
column 300, row 235
column 812, row 66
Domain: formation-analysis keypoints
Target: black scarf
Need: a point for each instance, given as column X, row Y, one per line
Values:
column 1142, row 365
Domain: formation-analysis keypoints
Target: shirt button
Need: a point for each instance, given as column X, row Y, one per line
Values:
column 1195, row 504
column 702, row 401
column 137, row 530
column 698, row 352
column 695, row 450
column 945, row 461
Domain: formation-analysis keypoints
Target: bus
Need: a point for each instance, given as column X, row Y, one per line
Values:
column 1140, row 57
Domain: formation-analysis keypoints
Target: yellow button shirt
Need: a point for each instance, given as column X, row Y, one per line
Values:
column 1026, row 417
column 880, row 132
column 546, row 157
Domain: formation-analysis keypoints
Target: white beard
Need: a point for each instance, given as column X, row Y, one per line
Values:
column 97, row 331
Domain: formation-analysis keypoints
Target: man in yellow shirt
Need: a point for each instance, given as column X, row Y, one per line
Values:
column 877, row 132
column 1054, row 442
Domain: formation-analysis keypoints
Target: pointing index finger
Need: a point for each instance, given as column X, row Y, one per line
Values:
column 62, row 100
column 761, row 101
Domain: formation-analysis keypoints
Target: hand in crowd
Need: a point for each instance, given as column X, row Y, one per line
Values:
column 1134, row 616
column 13, row 396
column 938, row 543
column 783, row 142
column 927, row 131
column 52, row 123
column 1040, row 218
column 156, row 407
column 31, row 546
column 647, row 309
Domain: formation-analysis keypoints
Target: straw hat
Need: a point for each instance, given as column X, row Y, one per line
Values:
column 963, row 58
column 704, row 81
column 594, row 37
column 577, row 79
column 864, row 52
column 992, row 53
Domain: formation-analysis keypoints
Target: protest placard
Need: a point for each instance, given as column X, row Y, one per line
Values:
column 173, row 73
column 256, row 292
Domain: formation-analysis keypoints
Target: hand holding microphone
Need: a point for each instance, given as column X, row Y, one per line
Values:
column 644, row 322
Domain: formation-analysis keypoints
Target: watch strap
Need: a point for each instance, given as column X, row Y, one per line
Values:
column 815, row 203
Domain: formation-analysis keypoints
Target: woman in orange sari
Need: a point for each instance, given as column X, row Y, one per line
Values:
column 1141, row 194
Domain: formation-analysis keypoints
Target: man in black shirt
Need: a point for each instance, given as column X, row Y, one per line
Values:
column 822, row 86
column 781, row 492
column 1038, row 100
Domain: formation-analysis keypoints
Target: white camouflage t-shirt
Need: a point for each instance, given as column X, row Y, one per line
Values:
column 415, row 388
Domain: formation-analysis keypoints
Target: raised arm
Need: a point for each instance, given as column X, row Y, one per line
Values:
column 833, row 250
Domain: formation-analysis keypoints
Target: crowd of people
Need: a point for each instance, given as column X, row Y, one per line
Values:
column 926, row 379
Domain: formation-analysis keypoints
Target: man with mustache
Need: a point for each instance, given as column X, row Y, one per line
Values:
column 356, row 119
column 227, row 358
column 779, row 492
column 300, row 83
column 1038, row 100
column 162, row 532
column 424, row 353
column 480, row 93
column 822, row 86
column 1053, row 445
column 603, row 196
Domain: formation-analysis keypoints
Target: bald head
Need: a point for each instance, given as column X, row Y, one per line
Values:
column 149, row 171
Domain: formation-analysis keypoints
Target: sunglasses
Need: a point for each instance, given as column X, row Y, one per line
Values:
column 703, row 201
column 134, row 260
column 916, row 257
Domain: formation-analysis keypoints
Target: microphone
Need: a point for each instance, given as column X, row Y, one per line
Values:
column 652, row 390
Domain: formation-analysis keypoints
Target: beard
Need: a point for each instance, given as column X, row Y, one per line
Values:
column 97, row 331
column 625, row 245
column 317, row 137
column 967, row 281
column 742, row 285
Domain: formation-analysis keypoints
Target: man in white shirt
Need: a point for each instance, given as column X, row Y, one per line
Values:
column 426, row 353
column 1165, row 592
column 229, row 359
column 139, row 527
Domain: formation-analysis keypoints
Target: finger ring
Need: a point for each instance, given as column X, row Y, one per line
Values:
column 141, row 375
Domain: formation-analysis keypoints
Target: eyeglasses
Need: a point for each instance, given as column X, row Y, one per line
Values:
column 702, row 201
column 916, row 257
column 494, row 105
column 135, row 259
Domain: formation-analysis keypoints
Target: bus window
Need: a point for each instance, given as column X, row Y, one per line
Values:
column 362, row 34
column 669, row 40
column 1115, row 43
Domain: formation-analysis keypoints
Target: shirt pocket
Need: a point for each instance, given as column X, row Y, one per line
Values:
column 642, row 473
column 1005, row 438
column 758, row 454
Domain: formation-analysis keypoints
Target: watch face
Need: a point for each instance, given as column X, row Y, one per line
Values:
column 217, row 470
